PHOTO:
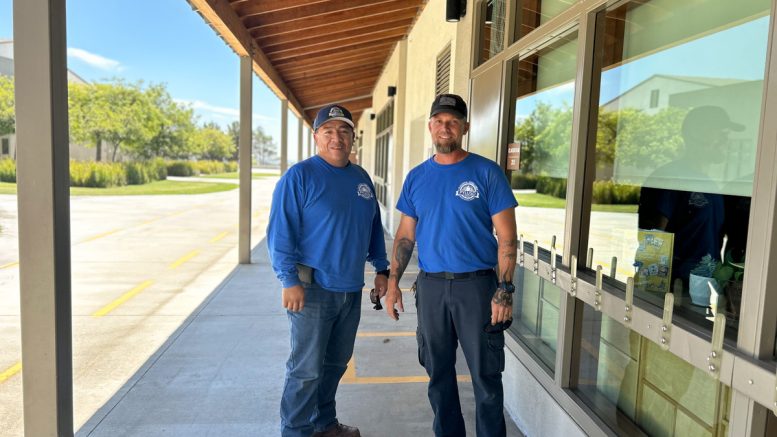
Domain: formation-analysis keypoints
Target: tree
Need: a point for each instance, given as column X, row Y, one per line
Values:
column 176, row 128
column 7, row 112
column 212, row 143
column 233, row 130
column 118, row 113
column 263, row 147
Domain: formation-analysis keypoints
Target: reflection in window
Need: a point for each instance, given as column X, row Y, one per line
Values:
column 675, row 148
column 492, row 28
column 534, row 13
column 539, row 154
column 535, row 315
column 630, row 381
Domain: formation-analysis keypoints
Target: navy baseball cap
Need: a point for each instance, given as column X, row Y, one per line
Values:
column 450, row 103
column 332, row 112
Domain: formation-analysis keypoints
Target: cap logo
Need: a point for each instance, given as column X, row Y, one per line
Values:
column 336, row 112
column 447, row 101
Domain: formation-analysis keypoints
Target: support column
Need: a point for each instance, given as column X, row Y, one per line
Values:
column 40, row 70
column 299, row 139
column 244, row 154
column 284, row 135
column 311, row 152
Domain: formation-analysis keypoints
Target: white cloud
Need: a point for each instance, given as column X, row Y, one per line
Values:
column 94, row 60
column 220, row 111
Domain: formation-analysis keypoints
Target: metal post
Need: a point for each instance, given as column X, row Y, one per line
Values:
column 246, row 96
column 284, row 135
column 40, row 72
column 311, row 152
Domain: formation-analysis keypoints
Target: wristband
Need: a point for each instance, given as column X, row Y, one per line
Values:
column 385, row 273
column 507, row 286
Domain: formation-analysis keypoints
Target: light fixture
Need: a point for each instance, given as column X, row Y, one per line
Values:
column 392, row 91
column 454, row 10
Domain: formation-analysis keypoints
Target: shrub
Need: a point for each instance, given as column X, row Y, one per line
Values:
column 7, row 170
column 182, row 168
column 520, row 181
column 555, row 187
column 230, row 166
column 158, row 169
column 138, row 173
column 610, row 193
column 97, row 174
column 209, row 167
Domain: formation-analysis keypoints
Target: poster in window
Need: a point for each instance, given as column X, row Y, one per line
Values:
column 653, row 261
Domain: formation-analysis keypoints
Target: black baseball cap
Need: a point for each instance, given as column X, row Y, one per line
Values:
column 450, row 103
column 332, row 112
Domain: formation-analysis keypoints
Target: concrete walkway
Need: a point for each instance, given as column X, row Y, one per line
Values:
column 221, row 373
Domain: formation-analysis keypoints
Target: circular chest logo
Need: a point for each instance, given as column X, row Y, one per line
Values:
column 468, row 191
column 363, row 190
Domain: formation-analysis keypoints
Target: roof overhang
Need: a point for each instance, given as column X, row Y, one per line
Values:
column 314, row 52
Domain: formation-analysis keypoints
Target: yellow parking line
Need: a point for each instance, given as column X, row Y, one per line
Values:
column 104, row 234
column 219, row 236
column 11, row 371
column 387, row 334
column 9, row 265
column 349, row 377
column 183, row 259
column 125, row 297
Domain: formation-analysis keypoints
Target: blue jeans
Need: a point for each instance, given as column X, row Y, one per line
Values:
column 322, row 338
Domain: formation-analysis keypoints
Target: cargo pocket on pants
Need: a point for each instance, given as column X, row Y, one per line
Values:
column 495, row 351
column 421, row 347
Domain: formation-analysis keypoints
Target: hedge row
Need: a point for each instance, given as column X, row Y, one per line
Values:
column 7, row 170
column 196, row 168
column 604, row 192
column 113, row 174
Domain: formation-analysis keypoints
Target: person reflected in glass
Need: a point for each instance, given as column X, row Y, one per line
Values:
column 682, row 197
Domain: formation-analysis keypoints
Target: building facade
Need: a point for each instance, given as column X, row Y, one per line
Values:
column 644, row 163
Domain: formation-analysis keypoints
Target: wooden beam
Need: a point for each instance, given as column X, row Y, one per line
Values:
column 372, row 70
column 376, row 61
column 220, row 15
column 355, row 106
column 245, row 8
column 338, row 37
column 403, row 16
column 333, row 19
column 334, row 93
column 317, row 57
column 314, row 10
column 347, row 60
column 337, row 46
column 348, row 84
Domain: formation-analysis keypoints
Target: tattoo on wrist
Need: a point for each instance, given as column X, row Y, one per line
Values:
column 404, row 250
column 503, row 298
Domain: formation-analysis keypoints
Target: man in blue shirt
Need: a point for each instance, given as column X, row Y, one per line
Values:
column 450, row 205
column 324, row 223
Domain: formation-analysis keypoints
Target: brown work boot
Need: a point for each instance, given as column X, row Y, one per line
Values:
column 339, row 430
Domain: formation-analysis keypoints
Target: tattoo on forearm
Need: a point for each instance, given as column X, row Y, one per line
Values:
column 402, row 253
column 503, row 298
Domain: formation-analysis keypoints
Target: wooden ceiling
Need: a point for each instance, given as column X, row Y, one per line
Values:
column 315, row 52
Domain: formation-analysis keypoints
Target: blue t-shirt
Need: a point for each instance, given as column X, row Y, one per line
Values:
column 453, row 205
column 325, row 217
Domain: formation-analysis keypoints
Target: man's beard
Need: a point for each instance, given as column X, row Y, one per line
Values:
column 448, row 147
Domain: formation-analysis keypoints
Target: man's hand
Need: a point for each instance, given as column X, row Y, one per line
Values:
column 293, row 298
column 381, row 285
column 394, row 296
column 501, row 306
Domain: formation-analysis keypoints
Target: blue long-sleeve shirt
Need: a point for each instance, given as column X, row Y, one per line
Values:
column 325, row 217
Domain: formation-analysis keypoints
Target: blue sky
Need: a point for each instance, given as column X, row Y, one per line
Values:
column 161, row 41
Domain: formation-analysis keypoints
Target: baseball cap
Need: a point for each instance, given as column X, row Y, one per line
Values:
column 450, row 103
column 332, row 112
column 708, row 118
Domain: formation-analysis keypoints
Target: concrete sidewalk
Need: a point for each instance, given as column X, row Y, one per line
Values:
column 221, row 373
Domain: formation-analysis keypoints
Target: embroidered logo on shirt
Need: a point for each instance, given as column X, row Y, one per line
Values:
column 698, row 200
column 468, row 191
column 363, row 190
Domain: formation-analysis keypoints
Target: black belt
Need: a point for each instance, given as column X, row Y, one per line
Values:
column 451, row 275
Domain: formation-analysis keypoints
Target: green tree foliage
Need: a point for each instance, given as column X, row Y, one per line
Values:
column 176, row 127
column 212, row 143
column 263, row 147
column 233, row 130
column 7, row 112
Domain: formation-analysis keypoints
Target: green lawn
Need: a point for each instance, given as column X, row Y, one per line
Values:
column 545, row 201
column 234, row 175
column 158, row 187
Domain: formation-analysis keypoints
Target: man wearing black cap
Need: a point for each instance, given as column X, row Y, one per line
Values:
column 450, row 205
column 324, row 219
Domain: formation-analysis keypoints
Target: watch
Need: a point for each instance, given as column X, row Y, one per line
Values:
column 385, row 273
column 507, row 286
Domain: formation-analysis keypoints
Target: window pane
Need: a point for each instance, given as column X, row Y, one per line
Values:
column 534, row 13
column 539, row 154
column 679, row 109
column 630, row 381
column 535, row 315
column 492, row 28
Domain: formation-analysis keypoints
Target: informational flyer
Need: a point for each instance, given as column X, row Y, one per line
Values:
column 653, row 261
